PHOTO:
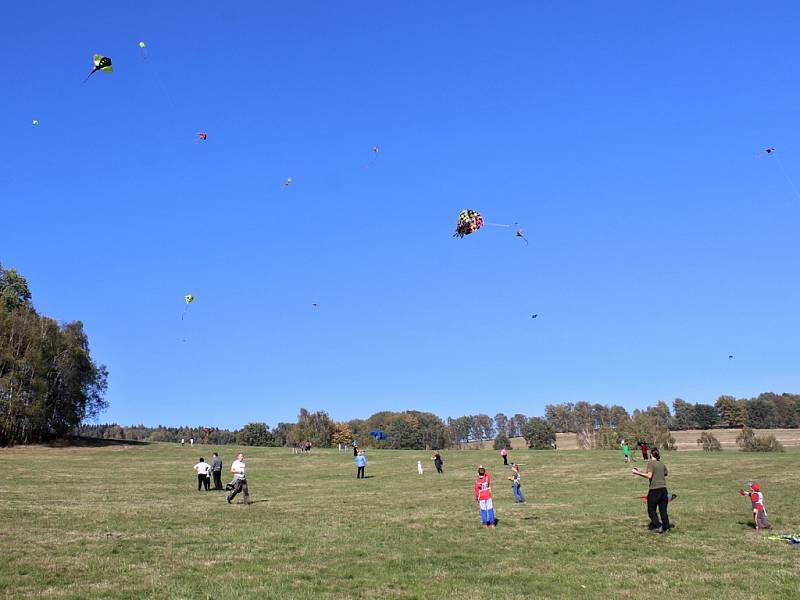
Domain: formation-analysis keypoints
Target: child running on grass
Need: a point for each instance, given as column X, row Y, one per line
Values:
column 483, row 496
column 757, row 502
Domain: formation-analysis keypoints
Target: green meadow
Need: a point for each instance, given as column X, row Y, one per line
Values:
column 127, row 521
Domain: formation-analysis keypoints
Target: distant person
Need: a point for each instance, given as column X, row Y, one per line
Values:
column 643, row 447
column 657, row 496
column 307, row 446
column 554, row 446
column 239, row 472
column 216, row 471
column 355, row 451
column 191, row 442
column 202, row 468
column 757, row 503
column 626, row 451
column 437, row 462
column 419, row 467
column 183, row 441
column 483, row 496
column 361, row 463
column 516, row 484
column 504, row 454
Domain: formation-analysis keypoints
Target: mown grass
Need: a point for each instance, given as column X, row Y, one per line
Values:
column 121, row 522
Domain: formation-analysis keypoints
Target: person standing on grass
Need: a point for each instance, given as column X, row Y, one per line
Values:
column 437, row 462
column 239, row 472
column 757, row 502
column 657, row 496
column 504, row 454
column 361, row 463
column 191, row 441
column 483, row 496
column 216, row 471
column 202, row 468
column 516, row 483
column 626, row 451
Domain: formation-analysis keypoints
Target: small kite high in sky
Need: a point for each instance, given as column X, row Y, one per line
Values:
column 533, row 316
column 469, row 221
column 201, row 136
column 521, row 234
column 188, row 298
column 376, row 149
column 101, row 63
column 35, row 122
column 730, row 356
column 288, row 182
column 769, row 150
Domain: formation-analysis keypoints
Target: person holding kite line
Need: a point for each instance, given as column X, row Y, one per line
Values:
column 239, row 483
column 657, row 496
column 361, row 463
column 483, row 496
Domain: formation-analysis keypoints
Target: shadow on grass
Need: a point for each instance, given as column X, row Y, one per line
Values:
column 89, row 442
column 750, row 524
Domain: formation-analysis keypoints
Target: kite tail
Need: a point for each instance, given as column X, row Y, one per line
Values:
column 90, row 74
column 496, row 224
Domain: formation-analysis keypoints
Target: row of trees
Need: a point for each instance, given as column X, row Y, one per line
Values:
column 49, row 383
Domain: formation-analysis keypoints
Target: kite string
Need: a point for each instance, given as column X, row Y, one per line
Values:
column 786, row 175
column 496, row 224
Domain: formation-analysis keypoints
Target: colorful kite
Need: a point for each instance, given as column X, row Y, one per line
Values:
column 101, row 63
column 378, row 434
column 521, row 234
column 469, row 221
column 201, row 137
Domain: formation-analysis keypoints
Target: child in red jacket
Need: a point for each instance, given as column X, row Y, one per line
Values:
column 483, row 496
column 757, row 502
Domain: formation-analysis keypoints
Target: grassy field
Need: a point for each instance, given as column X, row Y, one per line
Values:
column 127, row 522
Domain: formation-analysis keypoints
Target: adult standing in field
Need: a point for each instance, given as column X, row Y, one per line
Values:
column 216, row 471
column 643, row 447
column 361, row 463
column 504, row 454
column 191, row 441
column 437, row 462
column 657, row 496
column 483, row 496
column 239, row 472
column 202, row 468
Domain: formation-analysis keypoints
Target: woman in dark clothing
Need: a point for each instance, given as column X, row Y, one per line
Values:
column 657, row 496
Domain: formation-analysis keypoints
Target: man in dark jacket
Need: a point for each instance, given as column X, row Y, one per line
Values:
column 216, row 471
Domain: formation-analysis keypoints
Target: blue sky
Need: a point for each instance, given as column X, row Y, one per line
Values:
column 625, row 139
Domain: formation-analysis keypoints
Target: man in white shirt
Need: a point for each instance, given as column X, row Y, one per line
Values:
column 239, row 479
column 203, row 469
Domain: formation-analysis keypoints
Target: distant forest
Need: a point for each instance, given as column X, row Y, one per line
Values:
column 596, row 425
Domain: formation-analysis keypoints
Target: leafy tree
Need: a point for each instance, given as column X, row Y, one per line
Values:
column 660, row 412
column 501, row 441
column 732, row 412
column 316, row 427
column 342, row 434
column 538, row 433
column 748, row 441
column 560, row 416
column 404, row 432
column 460, row 428
column 705, row 416
column 14, row 291
column 517, row 422
column 709, row 442
column 683, row 415
column 645, row 426
column 619, row 416
column 584, row 424
column 255, row 434
column 282, row 433
column 761, row 414
column 501, row 423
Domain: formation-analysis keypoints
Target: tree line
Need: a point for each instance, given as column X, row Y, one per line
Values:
column 595, row 425
column 49, row 383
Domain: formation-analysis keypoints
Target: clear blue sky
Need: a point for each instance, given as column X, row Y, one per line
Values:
column 623, row 137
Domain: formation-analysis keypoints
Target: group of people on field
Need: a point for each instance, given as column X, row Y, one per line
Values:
column 238, row 470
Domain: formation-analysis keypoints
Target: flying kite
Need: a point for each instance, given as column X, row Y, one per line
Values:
column 378, row 434
column 730, row 356
column 533, row 316
column 288, row 182
column 314, row 304
column 469, row 221
column 101, row 63
column 201, row 137
column 521, row 234
column 769, row 150
column 188, row 298
column 35, row 122
column 376, row 149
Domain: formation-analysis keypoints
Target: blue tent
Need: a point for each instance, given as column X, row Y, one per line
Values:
column 379, row 435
